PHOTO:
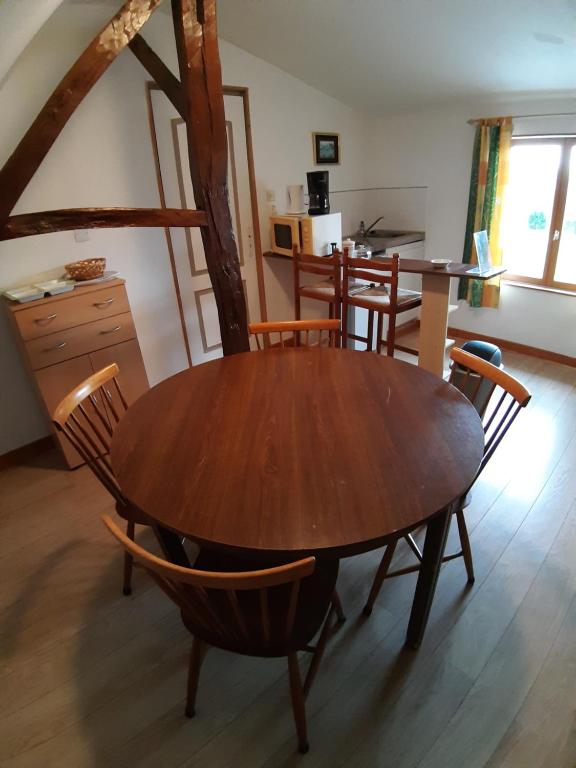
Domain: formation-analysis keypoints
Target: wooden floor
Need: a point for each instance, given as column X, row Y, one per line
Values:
column 92, row 678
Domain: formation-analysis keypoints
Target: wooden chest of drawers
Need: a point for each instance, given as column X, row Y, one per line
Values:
column 68, row 337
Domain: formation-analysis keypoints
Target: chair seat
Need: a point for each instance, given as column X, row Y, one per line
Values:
column 324, row 290
column 315, row 597
column 378, row 299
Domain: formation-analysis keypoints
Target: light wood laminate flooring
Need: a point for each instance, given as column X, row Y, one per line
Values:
column 91, row 678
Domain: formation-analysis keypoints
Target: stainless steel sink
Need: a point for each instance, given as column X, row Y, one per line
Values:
column 381, row 239
column 385, row 233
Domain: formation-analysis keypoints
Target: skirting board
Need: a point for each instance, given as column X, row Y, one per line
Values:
column 544, row 354
column 26, row 452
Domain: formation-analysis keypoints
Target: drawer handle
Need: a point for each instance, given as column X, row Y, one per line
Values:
column 103, row 303
column 111, row 330
column 47, row 319
column 58, row 346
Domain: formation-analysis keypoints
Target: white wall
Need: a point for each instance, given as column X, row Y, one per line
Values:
column 434, row 149
column 103, row 158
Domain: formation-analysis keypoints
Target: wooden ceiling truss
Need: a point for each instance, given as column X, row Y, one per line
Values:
column 198, row 98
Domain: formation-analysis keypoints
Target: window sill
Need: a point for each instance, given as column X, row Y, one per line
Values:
column 533, row 287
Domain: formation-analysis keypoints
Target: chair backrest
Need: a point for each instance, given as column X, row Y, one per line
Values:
column 327, row 267
column 498, row 411
column 380, row 271
column 226, row 617
column 87, row 417
column 296, row 333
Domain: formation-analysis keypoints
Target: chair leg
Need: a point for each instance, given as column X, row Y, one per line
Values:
column 344, row 327
column 391, row 335
column 413, row 546
column 340, row 615
column 465, row 544
column 196, row 658
column 298, row 705
column 379, row 332
column 128, row 563
column 383, row 569
column 370, row 331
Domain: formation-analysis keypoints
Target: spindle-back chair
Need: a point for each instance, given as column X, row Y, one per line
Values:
column 87, row 417
column 292, row 333
column 498, row 413
column 380, row 296
column 327, row 290
column 271, row 612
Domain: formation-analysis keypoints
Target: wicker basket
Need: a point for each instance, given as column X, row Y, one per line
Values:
column 89, row 269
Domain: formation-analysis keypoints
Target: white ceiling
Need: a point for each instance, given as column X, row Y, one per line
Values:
column 395, row 55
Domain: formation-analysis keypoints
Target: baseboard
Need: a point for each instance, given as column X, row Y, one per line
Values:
column 26, row 452
column 513, row 346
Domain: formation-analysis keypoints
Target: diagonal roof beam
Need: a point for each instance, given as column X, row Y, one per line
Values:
column 88, row 68
column 162, row 76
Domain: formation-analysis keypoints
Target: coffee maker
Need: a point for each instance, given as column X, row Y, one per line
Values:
column 319, row 202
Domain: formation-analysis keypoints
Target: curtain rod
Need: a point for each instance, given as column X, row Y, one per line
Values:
column 475, row 120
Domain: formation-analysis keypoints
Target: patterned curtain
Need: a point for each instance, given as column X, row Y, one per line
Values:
column 490, row 163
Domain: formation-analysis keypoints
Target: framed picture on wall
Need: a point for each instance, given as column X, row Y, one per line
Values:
column 326, row 148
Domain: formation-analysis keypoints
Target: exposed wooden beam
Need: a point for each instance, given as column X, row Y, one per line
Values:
column 201, row 78
column 162, row 76
column 32, row 149
column 42, row 222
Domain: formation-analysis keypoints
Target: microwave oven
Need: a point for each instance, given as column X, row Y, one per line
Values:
column 311, row 234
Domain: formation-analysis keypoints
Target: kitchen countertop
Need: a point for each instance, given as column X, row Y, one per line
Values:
column 382, row 239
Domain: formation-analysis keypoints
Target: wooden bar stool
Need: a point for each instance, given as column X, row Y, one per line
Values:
column 381, row 296
column 327, row 290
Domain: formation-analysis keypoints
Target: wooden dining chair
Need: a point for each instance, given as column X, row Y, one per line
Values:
column 381, row 296
column 507, row 396
column 298, row 333
column 87, row 416
column 328, row 289
column 270, row 613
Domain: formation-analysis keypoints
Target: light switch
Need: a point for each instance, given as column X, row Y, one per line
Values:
column 81, row 235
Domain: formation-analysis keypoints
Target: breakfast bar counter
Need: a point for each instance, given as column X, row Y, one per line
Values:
column 435, row 303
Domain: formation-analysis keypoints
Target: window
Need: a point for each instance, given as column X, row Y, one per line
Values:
column 538, row 231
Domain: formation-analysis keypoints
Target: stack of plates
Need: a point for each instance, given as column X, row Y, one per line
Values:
column 39, row 290
column 52, row 287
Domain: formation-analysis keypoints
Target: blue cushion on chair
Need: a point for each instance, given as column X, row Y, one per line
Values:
column 485, row 350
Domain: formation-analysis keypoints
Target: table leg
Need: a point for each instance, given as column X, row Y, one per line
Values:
column 434, row 322
column 172, row 547
column 434, row 545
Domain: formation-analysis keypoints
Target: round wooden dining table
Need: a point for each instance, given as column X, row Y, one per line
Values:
column 297, row 451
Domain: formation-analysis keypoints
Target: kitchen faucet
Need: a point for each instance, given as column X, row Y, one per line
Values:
column 374, row 224
column 363, row 231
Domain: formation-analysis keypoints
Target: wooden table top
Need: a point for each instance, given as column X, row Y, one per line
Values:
column 425, row 267
column 454, row 269
column 324, row 451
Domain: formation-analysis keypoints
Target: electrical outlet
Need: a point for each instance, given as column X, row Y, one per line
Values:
column 270, row 196
column 81, row 235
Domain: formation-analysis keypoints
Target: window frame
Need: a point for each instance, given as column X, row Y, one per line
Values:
column 557, row 219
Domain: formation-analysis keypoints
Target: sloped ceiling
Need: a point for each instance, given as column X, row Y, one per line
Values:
column 20, row 20
column 393, row 55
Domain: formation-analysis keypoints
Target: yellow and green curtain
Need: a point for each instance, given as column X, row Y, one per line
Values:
column 490, row 163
